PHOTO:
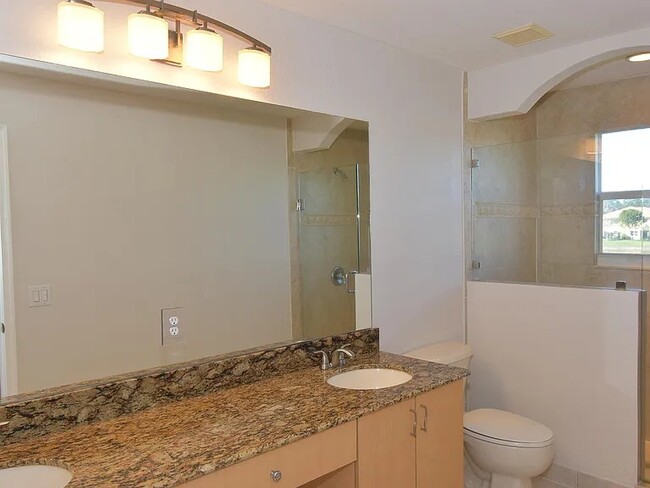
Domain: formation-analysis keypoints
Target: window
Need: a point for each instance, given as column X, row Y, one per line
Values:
column 624, row 193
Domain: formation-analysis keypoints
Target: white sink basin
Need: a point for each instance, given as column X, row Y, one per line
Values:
column 369, row 379
column 34, row 477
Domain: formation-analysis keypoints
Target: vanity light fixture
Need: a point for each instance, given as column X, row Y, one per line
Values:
column 203, row 49
column 81, row 26
column 638, row 58
column 148, row 35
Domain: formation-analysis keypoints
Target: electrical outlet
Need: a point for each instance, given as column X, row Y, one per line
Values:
column 173, row 325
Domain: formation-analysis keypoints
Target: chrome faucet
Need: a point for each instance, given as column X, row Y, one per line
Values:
column 341, row 355
column 339, row 358
column 325, row 362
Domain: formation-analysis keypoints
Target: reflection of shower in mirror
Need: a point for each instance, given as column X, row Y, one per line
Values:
column 341, row 173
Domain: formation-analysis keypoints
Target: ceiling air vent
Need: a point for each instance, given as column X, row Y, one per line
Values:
column 520, row 36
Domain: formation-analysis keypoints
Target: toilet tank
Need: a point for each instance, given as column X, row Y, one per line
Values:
column 451, row 353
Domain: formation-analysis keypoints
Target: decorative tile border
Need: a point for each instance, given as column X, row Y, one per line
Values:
column 511, row 211
column 323, row 219
column 62, row 408
column 497, row 210
column 583, row 210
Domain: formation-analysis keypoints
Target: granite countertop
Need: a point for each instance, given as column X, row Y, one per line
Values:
column 174, row 443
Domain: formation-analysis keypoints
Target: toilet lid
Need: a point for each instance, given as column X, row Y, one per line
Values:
column 505, row 426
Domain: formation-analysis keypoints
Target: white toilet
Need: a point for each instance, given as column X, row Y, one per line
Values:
column 503, row 450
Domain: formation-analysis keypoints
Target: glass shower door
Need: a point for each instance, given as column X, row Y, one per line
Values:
column 329, row 248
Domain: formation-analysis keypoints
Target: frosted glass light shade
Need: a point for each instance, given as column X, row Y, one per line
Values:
column 80, row 26
column 203, row 49
column 254, row 68
column 148, row 36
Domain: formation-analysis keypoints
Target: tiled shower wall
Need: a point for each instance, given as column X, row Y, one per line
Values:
column 533, row 196
column 505, row 199
column 534, row 207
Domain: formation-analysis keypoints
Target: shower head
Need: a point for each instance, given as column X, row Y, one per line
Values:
column 340, row 173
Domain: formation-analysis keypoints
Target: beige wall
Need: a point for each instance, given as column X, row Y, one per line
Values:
column 319, row 308
column 126, row 205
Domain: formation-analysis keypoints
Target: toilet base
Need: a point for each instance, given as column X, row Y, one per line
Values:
column 501, row 481
column 475, row 477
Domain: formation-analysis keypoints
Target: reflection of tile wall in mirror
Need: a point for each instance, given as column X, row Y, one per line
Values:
column 333, row 188
column 160, row 204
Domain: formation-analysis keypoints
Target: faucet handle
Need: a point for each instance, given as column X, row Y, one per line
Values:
column 344, row 349
column 325, row 363
column 339, row 355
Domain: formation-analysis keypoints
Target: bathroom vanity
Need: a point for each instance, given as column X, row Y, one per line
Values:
column 287, row 430
column 389, row 448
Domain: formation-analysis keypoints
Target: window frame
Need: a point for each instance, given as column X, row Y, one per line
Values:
column 615, row 260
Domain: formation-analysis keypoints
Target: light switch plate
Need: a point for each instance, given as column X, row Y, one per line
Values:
column 39, row 296
column 172, row 325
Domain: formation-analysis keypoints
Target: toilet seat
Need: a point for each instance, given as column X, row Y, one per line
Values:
column 506, row 429
column 502, row 442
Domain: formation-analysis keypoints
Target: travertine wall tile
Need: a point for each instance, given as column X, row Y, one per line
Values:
column 507, row 174
column 506, row 248
column 519, row 128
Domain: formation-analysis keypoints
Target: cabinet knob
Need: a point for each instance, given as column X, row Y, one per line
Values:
column 276, row 475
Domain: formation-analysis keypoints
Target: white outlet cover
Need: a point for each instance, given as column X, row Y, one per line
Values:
column 172, row 325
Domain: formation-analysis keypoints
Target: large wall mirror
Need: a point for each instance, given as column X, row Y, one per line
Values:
column 145, row 226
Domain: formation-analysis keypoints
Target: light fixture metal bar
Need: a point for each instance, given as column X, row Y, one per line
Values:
column 81, row 2
column 192, row 17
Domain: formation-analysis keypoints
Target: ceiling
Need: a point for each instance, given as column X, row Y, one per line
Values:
column 459, row 32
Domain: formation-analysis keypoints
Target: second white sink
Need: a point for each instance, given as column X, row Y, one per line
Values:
column 35, row 477
column 369, row 379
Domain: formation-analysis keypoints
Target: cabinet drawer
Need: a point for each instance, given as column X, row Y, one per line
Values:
column 299, row 462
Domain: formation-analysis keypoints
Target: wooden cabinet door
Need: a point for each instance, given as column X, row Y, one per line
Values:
column 386, row 447
column 440, row 437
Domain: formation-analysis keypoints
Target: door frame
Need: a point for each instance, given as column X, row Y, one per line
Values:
column 8, row 352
